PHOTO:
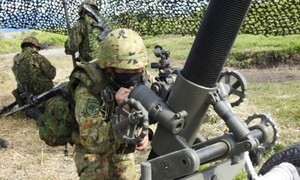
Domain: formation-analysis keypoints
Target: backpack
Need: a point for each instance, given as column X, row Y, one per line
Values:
column 57, row 123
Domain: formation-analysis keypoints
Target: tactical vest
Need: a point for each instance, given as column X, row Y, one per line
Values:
column 89, row 47
column 91, row 76
column 30, row 78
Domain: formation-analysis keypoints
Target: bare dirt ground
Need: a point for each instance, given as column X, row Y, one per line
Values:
column 27, row 157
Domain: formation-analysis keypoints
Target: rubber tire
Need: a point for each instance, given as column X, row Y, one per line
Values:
column 290, row 154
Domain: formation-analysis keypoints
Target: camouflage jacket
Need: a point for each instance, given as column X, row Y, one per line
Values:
column 33, row 72
column 94, row 107
column 83, row 38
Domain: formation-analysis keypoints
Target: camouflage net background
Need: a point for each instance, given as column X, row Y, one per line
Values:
column 150, row 17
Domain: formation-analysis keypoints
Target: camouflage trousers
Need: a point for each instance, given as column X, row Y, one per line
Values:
column 113, row 167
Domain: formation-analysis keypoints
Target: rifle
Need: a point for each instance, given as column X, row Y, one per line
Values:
column 37, row 99
column 69, row 29
column 8, row 108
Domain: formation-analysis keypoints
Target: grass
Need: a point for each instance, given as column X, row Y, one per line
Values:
column 10, row 42
column 179, row 46
column 250, row 43
column 244, row 50
column 281, row 100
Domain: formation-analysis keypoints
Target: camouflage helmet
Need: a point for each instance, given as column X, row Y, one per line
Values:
column 31, row 40
column 88, row 2
column 123, row 48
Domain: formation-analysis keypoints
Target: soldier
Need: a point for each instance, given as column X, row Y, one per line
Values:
column 84, row 34
column 97, row 88
column 33, row 72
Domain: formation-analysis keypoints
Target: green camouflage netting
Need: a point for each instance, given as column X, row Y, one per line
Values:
column 269, row 17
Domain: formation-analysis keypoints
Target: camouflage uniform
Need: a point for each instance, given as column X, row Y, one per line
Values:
column 99, row 155
column 84, row 36
column 33, row 72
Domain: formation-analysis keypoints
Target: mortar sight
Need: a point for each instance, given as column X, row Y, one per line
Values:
column 163, row 55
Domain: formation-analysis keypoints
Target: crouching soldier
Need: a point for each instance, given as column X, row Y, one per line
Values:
column 95, row 89
column 33, row 72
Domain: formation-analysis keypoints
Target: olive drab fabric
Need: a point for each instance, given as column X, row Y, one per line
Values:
column 31, row 40
column 33, row 72
column 123, row 48
column 57, row 122
column 96, row 166
column 83, row 38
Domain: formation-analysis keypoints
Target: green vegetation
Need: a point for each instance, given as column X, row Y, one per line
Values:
column 179, row 46
column 10, row 42
column 248, row 50
column 281, row 100
column 263, row 52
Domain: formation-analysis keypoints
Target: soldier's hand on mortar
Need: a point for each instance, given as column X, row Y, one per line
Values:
column 121, row 94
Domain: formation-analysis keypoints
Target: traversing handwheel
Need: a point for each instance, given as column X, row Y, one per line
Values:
column 236, row 84
column 267, row 120
column 125, row 123
column 270, row 140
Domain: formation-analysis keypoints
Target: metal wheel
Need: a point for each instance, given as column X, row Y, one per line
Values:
column 126, row 123
column 236, row 85
column 267, row 120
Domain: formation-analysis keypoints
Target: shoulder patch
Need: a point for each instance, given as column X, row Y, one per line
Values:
column 92, row 107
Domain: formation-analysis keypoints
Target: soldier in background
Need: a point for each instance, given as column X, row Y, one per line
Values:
column 83, row 37
column 97, row 88
column 33, row 72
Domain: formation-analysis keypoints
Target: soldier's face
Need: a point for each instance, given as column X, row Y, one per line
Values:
column 128, row 77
